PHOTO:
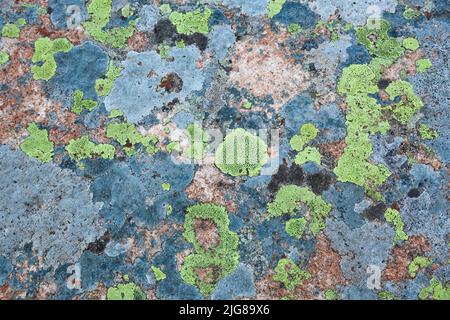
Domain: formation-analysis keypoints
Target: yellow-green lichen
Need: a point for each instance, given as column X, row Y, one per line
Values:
column 288, row 199
column 435, row 290
column 44, row 50
column 410, row 13
column 4, row 58
column 289, row 274
column 411, row 44
column 99, row 12
column 241, row 154
column 423, row 65
column 83, row 148
column 296, row 227
column 159, row 274
column 426, row 133
column 307, row 133
column 191, row 22
column 418, row 263
column 274, row 7
column 128, row 291
column 12, row 30
column 128, row 137
column 103, row 86
column 37, row 144
column 215, row 262
column 80, row 104
column 410, row 103
column 393, row 216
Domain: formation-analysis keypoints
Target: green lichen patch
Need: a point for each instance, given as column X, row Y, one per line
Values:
column 393, row 216
column 99, row 12
column 159, row 274
column 198, row 142
column 165, row 186
column 80, row 104
column 294, row 28
column 418, row 263
column 410, row 13
column 411, row 44
column 11, row 30
column 44, row 51
column 307, row 133
column 241, row 154
column 426, row 133
column 410, row 103
column 423, row 65
column 288, row 199
column 191, row 22
column 128, row 137
column 378, row 41
column 116, row 113
column 206, row 266
column 104, row 86
column 309, row 154
column 274, row 7
column 83, row 148
column 296, row 227
column 37, row 144
column 330, row 295
column 289, row 274
column 435, row 290
column 128, row 291
column 4, row 58
column 386, row 295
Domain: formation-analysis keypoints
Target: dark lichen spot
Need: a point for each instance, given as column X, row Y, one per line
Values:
column 99, row 246
column 320, row 182
column 383, row 83
column 285, row 176
column 375, row 212
column 414, row 193
column 171, row 83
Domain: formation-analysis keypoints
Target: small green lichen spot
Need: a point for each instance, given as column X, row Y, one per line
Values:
column 274, row 7
column 103, row 86
column 80, row 104
column 418, row 263
column 296, row 227
column 159, row 274
column 330, row 295
column 411, row 44
column 44, row 50
column 393, row 216
column 410, row 103
column 191, row 22
column 289, row 274
column 426, row 133
column 4, row 58
column 129, row 291
column 10, row 30
column 115, row 113
column 423, row 65
column 37, row 145
column 410, row 13
column 241, row 154
column 386, row 295
column 165, row 186
column 294, row 28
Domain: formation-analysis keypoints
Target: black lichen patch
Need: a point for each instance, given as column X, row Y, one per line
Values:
column 286, row 175
column 166, row 32
column 414, row 193
column 99, row 246
column 375, row 212
column 319, row 182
